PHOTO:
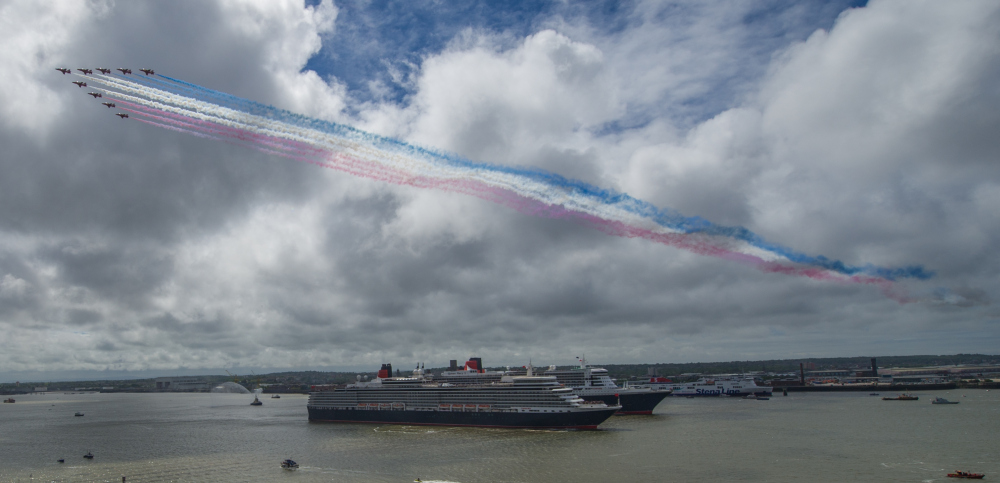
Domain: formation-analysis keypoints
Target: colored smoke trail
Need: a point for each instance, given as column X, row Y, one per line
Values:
column 189, row 108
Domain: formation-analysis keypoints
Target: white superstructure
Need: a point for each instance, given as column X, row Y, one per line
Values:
column 711, row 386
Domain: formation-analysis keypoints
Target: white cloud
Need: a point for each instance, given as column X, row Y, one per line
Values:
column 871, row 142
column 34, row 36
column 498, row 106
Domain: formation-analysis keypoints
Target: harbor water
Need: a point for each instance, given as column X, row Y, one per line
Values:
column 220, row 437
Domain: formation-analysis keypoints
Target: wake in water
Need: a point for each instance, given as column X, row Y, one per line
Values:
column 181, row 106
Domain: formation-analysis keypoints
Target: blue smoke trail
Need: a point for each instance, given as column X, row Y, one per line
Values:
column 664, row 217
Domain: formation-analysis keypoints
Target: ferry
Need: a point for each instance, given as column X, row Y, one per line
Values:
column 592, row 384
column 529, row 401
column 711, row 386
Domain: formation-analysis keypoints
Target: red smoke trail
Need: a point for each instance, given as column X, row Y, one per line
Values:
column 699, row 244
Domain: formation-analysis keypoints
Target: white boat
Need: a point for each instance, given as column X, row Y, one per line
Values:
column 731, row 386
column 941, row 400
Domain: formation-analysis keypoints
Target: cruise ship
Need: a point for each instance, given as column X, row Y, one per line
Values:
column 511, row 402
column 590, row 383
column 709, row 386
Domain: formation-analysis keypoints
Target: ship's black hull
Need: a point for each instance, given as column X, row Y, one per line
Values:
column 554, row 420
column 631, row 402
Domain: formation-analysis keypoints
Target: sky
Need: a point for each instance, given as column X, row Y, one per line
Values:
column 860, row 132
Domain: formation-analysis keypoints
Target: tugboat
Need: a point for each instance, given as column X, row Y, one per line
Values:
column 966, row 474
column 256, row 402
column 9, row 400
column 289, row 465
column 89, row 455
column 901, row 397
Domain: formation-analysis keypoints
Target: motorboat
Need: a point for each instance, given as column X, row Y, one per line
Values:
column 289, row 465
column 275, row 396
column 966, row 474
column 61, row 460
column 78, row 413
column 941, row 400
column 89, row 455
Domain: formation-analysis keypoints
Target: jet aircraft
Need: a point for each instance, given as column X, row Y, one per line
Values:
column 64, row 71
column 80, row 84
column 147, row 71
column 122, row 115
column 109, row 104
column 124, row 71
column 103, row 70
column 95, row 94
column 86, row 71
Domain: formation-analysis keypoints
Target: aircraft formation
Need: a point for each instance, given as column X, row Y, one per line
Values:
column 104, row 71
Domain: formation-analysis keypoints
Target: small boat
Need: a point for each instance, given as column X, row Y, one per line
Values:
column 256, row 402
column 289, row 465
column 966, row 474
column 61, row 460
column 941, row 400
column 873, row 394
column 9, row 400
column 89, row 455
column 275, row 396
column 901, row 397
column 78, row 413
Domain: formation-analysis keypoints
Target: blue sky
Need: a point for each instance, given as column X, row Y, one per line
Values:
column 385, row 41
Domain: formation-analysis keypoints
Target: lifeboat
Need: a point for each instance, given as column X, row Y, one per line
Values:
column 966, row 474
